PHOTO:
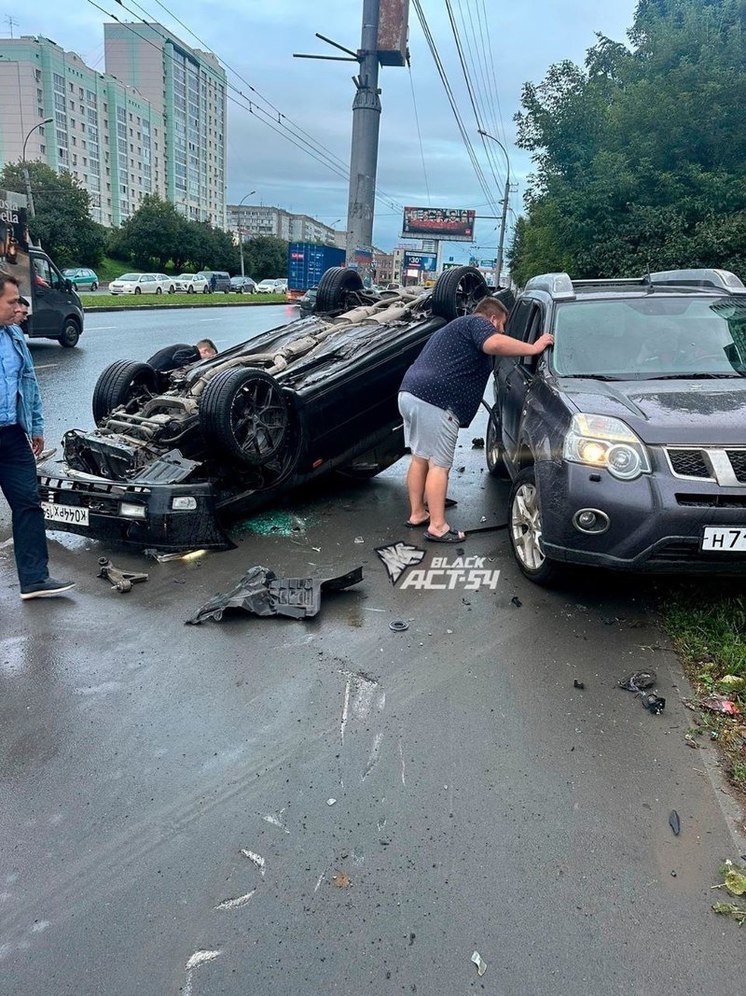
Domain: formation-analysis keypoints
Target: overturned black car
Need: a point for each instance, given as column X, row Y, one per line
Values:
column 175, row 454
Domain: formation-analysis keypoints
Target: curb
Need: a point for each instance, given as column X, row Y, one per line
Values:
column 190, row 307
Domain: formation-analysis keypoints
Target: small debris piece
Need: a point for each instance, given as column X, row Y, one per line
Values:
column 654, row 703
column 477, row 443
column 480, row 963
column 639, row 681
column 719, row 703
column 398, row 625
column 255, row 859
column 578, row 684
column 690, row 741
column 164, row 558
column 674, row 822
column 515, row 600
column 262, row 593
column 200, row 957
column 342, row 880
column 730, row 909
column 120, row 580
column 237, row 903
column 735, row 882
column 483, row 519
column 330, row 802
column 359, row 539
column 460, row 470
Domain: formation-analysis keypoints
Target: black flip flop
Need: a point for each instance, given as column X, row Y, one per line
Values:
column 418, row 525
column 452, row 536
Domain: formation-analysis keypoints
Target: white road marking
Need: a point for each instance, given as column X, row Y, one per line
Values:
column 345, row 709
column 237, row 903
column 101, row 328
column 401, row 758
column 255, row 858
column 209, row 319
column 373, row 758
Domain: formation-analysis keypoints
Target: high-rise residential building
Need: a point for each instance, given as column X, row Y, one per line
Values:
column 251, row 220
column 188, row 87
column 106, row 134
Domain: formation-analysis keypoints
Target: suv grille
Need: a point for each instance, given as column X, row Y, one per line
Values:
column 738, row 463
column 689, row 463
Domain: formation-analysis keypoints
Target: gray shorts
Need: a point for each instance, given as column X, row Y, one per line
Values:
column 429, row 432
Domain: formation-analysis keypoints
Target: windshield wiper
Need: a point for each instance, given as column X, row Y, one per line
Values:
column 590, row 377
column 698, row 376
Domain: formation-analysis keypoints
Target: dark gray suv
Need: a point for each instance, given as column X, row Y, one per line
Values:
column 626, row 442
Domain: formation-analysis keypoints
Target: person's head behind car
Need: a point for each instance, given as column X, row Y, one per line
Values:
column 206, row 349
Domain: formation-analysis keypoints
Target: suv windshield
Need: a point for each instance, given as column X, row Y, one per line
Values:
column 133, row 277
column 651, row 337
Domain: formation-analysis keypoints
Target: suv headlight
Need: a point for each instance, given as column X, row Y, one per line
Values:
column 602, row 441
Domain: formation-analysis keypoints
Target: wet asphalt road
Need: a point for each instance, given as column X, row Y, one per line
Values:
column 482, row 803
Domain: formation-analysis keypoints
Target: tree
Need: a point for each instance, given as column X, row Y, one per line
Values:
column 266, row 256
column 151, row 236
column 639, row 155
column 62, row 223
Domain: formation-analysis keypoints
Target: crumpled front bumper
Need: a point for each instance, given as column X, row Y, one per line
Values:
column 71, row 497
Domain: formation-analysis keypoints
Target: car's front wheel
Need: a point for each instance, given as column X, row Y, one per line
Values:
column 159, row 290
column 243, row 413
column 525, row 530
column 138, row 290
column 94, row 286
column 190, row 289
column 493, row 449
column 70, row 334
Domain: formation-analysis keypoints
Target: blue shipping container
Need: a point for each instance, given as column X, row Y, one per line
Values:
column 308, row 262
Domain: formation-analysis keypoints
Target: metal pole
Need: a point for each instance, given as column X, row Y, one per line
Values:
column 504, row 216
column 366, row 120
column 26, row 174
column 240, row 232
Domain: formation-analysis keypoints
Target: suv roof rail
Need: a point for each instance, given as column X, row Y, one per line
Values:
column 722, row 279
column 558, row 285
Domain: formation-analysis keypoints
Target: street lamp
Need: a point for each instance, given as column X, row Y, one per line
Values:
column 29, row 196
column 240, row 233
column 499, row 264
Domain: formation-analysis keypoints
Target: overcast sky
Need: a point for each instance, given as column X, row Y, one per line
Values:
column 257, row 39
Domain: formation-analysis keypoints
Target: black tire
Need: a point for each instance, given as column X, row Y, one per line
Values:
column 159, row 290
column 138, row 290
column 94, row 286
column 190, row 289
column 120, row 382
column 205, row 289
column 493, row 450
column 240, row 290
column 458, row 291
column 244, row 414
column 335, row 287
column 70, row 333
column 171, row 289
column 525, row 541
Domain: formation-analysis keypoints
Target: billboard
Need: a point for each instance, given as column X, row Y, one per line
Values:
column 14, row 239
column 424, row 262
column 444, row 224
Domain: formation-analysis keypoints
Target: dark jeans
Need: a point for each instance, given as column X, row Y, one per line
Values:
column 18, row 484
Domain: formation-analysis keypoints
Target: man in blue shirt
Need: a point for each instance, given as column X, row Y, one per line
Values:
column 21, row 440
column 440, row 394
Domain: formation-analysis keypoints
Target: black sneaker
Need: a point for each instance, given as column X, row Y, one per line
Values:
column 46, row 589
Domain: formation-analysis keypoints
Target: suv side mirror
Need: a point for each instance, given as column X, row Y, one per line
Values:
column 68, row 285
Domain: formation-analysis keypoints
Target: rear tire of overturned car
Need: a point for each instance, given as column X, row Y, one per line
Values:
column 458, row 291
column 120, row 382
column 334, row 287
column 525, row 530
column 244, row 414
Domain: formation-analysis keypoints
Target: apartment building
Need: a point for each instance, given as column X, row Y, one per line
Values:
column 189, row 88
column 251, row 220
column 106, row 134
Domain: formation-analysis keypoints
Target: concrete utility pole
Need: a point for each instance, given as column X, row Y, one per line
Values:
column 26, row 175
column 503, row 222
column 366, row 121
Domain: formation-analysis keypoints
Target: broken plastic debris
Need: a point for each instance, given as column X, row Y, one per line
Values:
column 398, row 625
column 638, row 681
column 342, row 880
column 674, row 822
column 477, row 443
column 578, row 684
column 254, row 858
column 164, row 558
column 200, row 957
column 359, row 539
column 515, row 600
column 480, row 963
column 654, row 703
column 330, row 802
column 262, row 593
column 237, row 903
column 719, row 703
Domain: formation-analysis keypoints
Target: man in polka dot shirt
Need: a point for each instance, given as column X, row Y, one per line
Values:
column 440, row 394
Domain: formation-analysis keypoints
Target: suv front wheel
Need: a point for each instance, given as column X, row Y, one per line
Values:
column 525, row 530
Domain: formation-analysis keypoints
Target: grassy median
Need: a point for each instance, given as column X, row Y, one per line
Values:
column 94, row 302
column 707, row 624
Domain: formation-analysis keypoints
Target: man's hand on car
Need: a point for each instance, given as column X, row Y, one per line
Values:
column 544, row 340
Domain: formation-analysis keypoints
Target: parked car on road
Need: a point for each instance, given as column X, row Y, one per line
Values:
column 191, row 283
column 222, row 280
column 268, row 286
column 82, row 278
column 626, row 443
column 134, row 283
column 307, row 303
column 243, row 285
column 232, row 433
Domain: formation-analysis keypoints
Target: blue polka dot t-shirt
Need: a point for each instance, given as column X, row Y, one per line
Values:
column 452, row 372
